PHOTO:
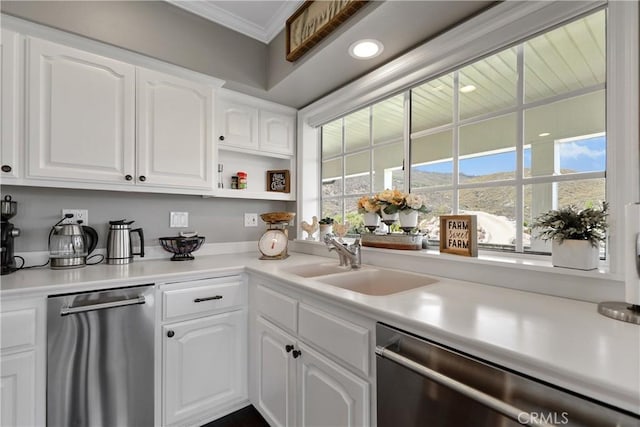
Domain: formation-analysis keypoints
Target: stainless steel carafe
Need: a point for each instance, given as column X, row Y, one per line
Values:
column 119, row 245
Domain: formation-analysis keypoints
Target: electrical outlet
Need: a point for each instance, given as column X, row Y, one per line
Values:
column 78, row 215
column 179, row 220
column 251, row 220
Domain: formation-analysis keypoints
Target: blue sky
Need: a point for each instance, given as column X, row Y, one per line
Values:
column 587, row 155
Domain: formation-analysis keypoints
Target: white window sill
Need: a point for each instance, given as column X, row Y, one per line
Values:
column 533, row 273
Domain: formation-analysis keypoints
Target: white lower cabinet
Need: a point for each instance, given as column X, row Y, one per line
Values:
column 22, row 362
column 275, row 374
column 329, row 395
column 203, row 365
column 298, row 383
column 17, row 389
column 204, row 350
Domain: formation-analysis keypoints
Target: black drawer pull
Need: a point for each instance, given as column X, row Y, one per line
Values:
column 6, row 168
column 207, row 298
column 296, row 354
column 288, row 348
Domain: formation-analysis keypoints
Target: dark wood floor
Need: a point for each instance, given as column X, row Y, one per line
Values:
column 245, row 417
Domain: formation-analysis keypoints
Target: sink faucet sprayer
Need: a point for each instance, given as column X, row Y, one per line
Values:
column 349, row 254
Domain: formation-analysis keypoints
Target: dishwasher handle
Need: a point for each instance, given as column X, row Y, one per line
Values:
column 516, row 414
column 64, row 311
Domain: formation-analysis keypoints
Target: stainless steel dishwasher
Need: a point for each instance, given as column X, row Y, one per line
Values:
column 421, row 383
column 100, row 358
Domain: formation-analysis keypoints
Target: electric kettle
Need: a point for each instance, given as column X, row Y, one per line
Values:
column 119, row 245
column 70, row 244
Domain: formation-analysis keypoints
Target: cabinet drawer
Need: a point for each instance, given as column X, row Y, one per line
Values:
column 18, row 328
column 277, row 307
column 210, row 295
column 341, row 338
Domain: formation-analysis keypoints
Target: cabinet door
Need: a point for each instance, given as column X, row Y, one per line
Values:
column 328, row 394
column 238, row 125
column 277, row 133
column 275, row 374
column 17, row 389
column 81, row 115
column 174, row 131
column 204, row 365
column 12, row 120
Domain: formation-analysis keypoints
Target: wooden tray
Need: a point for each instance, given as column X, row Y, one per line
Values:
column 392, row 241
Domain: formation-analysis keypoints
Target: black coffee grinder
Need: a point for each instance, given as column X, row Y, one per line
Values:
column 9, row 232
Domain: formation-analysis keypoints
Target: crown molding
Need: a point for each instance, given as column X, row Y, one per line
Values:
column 211, row 12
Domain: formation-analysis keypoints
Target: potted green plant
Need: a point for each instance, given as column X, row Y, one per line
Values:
column 576, row 235
column 326, row 227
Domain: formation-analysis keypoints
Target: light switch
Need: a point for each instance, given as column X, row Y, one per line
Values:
column 179, row 219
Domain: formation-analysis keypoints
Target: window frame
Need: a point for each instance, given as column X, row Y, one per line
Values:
column 506, row 24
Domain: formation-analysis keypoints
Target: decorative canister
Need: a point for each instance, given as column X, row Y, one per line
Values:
column 242, row 180
column 234, row 182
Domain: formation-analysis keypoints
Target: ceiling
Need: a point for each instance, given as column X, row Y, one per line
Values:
column 261, row 20
column 328, row 66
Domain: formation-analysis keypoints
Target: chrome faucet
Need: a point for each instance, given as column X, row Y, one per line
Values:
column 349, row 254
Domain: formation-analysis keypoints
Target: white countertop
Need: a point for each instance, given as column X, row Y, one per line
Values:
column 558, row 340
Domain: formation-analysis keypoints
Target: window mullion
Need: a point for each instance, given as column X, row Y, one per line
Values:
column 455, row 152
column 520, row 152
column 344, row 164
column 371, row 159
column 407, row 140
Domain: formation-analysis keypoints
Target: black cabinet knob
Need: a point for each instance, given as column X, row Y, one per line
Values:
column 288, row 348
column 128, row 177
column 170, row 334
column 142, row 178
column 6, row 168
column 296, row 354
column 221, row 137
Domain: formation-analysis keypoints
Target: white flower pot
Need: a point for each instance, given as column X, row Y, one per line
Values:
column 577, row 254
column 389, row 217
column 324, row 230
column 371, row 219
column 408, row 218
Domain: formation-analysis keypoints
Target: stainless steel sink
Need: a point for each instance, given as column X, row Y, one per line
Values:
column 314, row 270
column 377, row 281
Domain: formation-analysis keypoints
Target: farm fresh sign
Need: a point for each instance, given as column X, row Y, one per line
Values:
column 459, row 235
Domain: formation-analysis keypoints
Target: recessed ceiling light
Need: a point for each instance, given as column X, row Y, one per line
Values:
column 544, row 134
column 366, row 49
column 467, row 88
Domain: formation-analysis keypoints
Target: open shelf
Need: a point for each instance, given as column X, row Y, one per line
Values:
column 256, row 166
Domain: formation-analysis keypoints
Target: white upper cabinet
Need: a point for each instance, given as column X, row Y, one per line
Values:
column 277, row 132
column 81, row 115
column 12, row 121
column 238, row 125
column 255, row 125
column 175, row 118
column 253, row 136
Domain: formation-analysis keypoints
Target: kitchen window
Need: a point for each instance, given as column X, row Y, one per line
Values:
column 506, row 137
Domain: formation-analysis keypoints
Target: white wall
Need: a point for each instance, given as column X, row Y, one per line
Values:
column 219, row 220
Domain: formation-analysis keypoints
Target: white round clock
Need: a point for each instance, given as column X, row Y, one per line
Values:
column 273, row 244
